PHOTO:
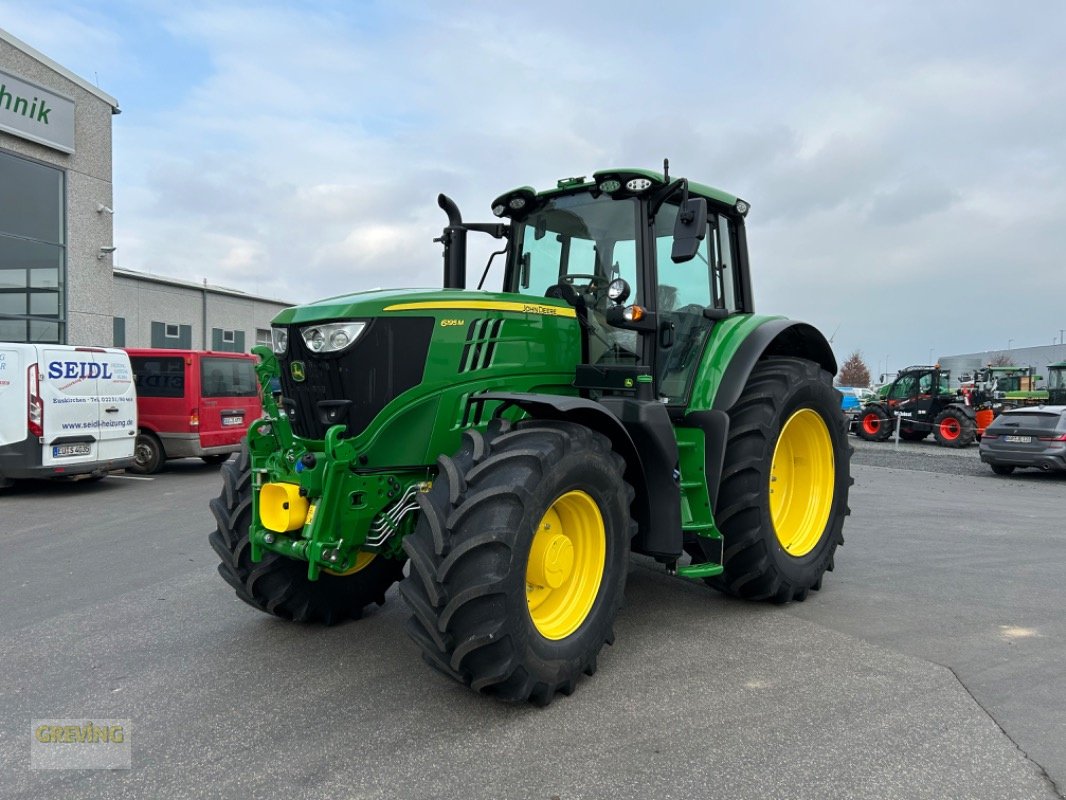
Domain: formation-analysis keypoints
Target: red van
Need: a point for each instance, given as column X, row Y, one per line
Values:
column 192, row 403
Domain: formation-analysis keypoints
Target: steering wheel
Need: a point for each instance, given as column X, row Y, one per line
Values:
column 595, row 284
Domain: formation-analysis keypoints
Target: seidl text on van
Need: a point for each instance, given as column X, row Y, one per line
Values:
column 65, row 411
column 192, row 403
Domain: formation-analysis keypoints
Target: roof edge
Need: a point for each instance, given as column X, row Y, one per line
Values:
column 32, row 52
column 137, row 275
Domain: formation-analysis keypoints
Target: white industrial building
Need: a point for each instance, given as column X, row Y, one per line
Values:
column 57, row 216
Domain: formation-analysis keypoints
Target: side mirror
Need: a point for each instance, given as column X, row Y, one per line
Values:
column 689, row 230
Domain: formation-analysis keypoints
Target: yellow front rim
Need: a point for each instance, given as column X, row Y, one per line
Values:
column 362, row 560
column 802, row 476
column 565, row 567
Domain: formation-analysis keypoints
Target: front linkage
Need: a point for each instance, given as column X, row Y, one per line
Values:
column 319, row 506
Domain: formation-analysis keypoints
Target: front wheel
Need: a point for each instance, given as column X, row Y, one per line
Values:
column 518, row 562
column 784, row 492
column 953, row 428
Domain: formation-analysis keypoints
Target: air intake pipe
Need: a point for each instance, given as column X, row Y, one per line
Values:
column 454, row 240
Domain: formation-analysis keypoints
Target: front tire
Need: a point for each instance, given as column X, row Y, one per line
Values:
column 518, row 562
column 952, row 428
column 278, row 585
column 784, row 491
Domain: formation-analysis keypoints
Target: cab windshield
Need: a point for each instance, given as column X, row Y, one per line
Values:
column 581, row 240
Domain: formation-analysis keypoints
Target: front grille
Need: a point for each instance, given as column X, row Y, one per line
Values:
column 387, row 359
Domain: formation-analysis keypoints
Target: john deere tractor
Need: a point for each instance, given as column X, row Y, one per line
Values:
column 513, row 447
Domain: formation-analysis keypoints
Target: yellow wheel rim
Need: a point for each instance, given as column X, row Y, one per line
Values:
column 362, row 560
column 802, row 476
column 565, row 565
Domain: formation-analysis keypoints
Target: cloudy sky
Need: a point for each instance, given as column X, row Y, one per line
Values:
column 904, row 160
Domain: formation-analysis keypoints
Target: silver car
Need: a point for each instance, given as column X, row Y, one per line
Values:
column 1034, row 436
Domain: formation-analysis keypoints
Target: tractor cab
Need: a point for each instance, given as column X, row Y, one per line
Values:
column 1056, row 383
column 649, row 264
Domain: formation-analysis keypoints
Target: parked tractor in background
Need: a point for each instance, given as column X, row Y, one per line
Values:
column 513, row 447
column 923, row 402
column 1056, row 384
column 1012, row 386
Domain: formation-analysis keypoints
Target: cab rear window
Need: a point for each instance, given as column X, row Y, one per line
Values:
column 227, row 377
column 159, row 376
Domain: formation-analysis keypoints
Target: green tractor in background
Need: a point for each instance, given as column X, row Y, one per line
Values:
column 1056, row 384
column 619, row 394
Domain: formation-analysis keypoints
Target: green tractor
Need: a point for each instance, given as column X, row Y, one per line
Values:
column 1056, row 384
column 619, row 394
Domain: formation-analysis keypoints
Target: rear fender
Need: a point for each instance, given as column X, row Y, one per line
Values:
column 775, row 337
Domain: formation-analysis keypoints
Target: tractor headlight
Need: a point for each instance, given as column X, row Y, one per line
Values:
column 331, row 337
column 279, row 341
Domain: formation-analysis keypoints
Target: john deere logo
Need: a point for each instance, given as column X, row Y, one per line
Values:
column 297, row 371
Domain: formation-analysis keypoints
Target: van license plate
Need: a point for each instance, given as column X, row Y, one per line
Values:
column 232, row 420
column 60, row 450
column 1018, row 439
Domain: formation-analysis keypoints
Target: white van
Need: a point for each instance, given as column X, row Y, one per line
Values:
column 65, row 411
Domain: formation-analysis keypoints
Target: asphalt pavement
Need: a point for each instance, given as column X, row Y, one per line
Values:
column 930, row 665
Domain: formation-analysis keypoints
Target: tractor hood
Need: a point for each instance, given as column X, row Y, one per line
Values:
column 380, row 302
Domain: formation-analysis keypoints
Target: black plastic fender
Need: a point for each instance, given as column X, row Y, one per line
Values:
column 641, row 432
column 779, row 337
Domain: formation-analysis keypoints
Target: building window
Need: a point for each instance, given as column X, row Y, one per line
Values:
column 262, row 336
column 33, row 251
column 118, row 331
column 227, row 341
column 173, row 336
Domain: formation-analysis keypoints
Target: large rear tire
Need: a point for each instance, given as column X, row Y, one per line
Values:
column 518, row 562
column 785, row 482
column 278, row 585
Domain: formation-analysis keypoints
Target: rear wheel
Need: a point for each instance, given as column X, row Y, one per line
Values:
column 953, row 428
column 220, row 458
column 874, row 424
column 1002, row 469
column 148, row 454
column 518, row 561
column 784, row 492
column 279, row 585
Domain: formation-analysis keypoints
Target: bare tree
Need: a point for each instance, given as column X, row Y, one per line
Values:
column 854, row 371
column 1001, row 360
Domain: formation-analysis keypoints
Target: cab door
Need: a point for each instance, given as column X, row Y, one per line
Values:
column 683, row 292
